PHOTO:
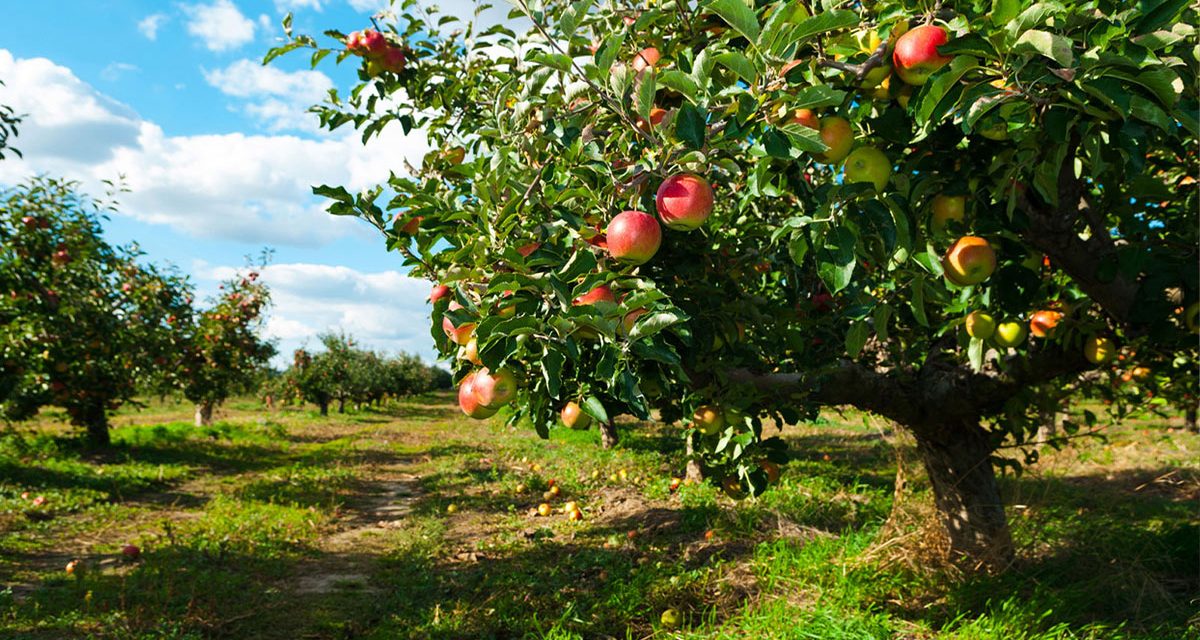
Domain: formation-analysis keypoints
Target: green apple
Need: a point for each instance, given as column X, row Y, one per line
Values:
column 1009, row 333
column 980, row 325
column 868, row 164
column 1099, row 350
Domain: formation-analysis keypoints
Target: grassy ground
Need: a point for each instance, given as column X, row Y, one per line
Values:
column 417, row 523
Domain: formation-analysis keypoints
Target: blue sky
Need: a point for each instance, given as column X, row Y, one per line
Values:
column 218, row 150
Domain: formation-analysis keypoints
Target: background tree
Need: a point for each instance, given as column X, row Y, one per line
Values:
column 878, row 171
column 226, row 350
column 82, row 323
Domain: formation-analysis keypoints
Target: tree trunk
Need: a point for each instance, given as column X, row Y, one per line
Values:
column 1048, row 427
column 95, row 420
column 204, row 413
column 1189, row 419
column 341, row 405
column 608, row 434
column 956, row 458
column 694, row 472
column 324, row 408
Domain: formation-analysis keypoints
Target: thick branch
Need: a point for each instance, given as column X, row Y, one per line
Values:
column 847, row 384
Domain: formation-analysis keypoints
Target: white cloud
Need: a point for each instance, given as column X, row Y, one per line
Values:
column 280, row 99
column 115, row 70
column 368, row 5
column 385, row 310
column 253, row 189
column 150, row 24
column 220, row 25
column 283, row 6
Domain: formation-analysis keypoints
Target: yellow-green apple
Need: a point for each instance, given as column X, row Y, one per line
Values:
column 469, row 402
column 1191, row 317
column 1009, row 333
column 460, row 334
column 598, row 294
column 876, row 76
column 1042, row 323
column 708, row 419
column 575, row 515
column 494, row 390
column 671, row 619
column 868, row 164
column 916, row 55
column 684, row 202
column 735, row 417
column 837, row 134
column 1099, row 349
column 980, row 325
column 574, row 416
column 544, row 509
column 633, row 237
column 970, row 260
column 645, row 59
column 946, row 208
column 470, row 351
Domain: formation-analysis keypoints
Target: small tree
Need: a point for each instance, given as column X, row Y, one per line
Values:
column 82, row 323
column 226, row 350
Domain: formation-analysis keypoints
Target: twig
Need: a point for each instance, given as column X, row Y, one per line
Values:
column 860, row 71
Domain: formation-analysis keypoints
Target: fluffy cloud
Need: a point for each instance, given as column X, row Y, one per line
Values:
column 277, row 98
column 385, row 310
column 252, row 189
column 220, row 25
column 283, row 6
column 150, row 24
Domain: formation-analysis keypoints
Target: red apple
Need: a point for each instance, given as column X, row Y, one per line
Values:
column 657, row 115
column 629, row 320
column 808, row 118
column 970, row 260
column 439, row 291
column 392, row 59
column 574, row 417
column 599, row 294
column 469, row 402
column 526, row 249
column 633, row 237
column 412, row 226
column 131, row 551
column 916, row 56
column 645, row 59
column 460, row 334
column 684, row 201
column 1042, row 323
column 837, row 134
column 494, row 390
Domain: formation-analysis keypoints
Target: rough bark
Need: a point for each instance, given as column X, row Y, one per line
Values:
column 957, row 460
column 608, row 435
column 324, row 408
column 204, row 414
column 694, row 472
column 341, row 405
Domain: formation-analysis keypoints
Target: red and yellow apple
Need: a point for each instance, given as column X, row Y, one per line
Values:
column 838, row 135
column 468, row 401
column 970, row 260
column 684, row 201
column 574, row 417
column 708, row 419
column 916, row 56
column 645, row 59
column 1042, row 323
column 598, row 294
column 460, row 334
column 808, row 118
column 494, row 390
column 633, row 237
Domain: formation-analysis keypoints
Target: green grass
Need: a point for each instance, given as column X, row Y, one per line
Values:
column 269, row 525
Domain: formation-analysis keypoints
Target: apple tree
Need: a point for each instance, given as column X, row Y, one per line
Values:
column 82, row 323
column 8, row 128
column 739, row 212
column 226, row 351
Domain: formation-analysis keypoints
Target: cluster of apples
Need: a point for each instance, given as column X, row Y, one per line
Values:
column 482, row 393
column 380, row 54
column 570, row 508
column 1098, row 349
column 684, row 201
column 864, row 164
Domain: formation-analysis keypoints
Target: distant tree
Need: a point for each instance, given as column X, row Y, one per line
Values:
column 226, row 351
column 82, row 323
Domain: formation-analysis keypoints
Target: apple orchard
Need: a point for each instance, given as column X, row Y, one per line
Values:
column 948, row 214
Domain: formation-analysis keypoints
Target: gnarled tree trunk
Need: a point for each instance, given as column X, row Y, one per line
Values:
column 324, row 407
column 957, row 460
column 204, row 414
column 608, row 434
column 94, row 419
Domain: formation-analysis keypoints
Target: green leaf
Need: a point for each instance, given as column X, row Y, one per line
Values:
column 645, row 96
column 971, row 44
column 557, row 61
column 1034, row 15
column 804, row 138
column 651, row 323
column 917, row 303
column 1165, row 12
column 821, row 95
column 835, row 260
column 798, row 248
column 1166, row 85
column 940, row 84
column 552, row 365
column 593, row 407
column 1147, row 111
column 856, row 338
column 1051, row 45
column 702, row 68
column 690, row 127
column 569, row 22
column 738, row 15
column 607, row 54
column 679, row 82
column 821, row 23
column 738, row 64
column 1003, row 11
column 975, row 354
column 883, row 313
